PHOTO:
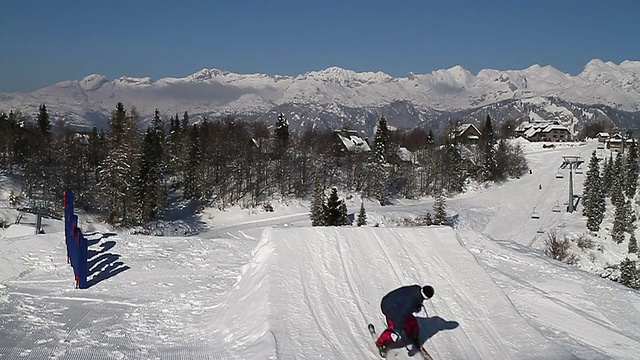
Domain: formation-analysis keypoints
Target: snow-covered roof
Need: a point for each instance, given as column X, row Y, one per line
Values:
column 464, row 127
column 530, row 129
column 552, row 127
column 405, row 155
column 354, row 143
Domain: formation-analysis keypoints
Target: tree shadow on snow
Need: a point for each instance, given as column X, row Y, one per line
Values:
column 428, row 327
column 103, row 264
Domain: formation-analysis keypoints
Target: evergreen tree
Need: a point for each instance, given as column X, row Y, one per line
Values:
column 593, row 195
column 439, row 211
column 378, row 179
column 150, row 189
column 281, row 136
column 281, row 153
column 428, row 219
column 43, row 121
column 489, row 165
column 382, row 141
column 608, row 175
column 502, row 161
column 317, row 205
column 117, row 169
column 191, row 173
column 631, row 171
column 335, row 210
column 344, row 214
column 362, row 216
column 629, row 274
column 633, row 244
column 617, row 185
column 38, row 159
column 378, row 170
column 620, row 224
column 453, row 169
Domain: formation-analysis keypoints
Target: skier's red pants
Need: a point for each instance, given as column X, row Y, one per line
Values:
column 410, row 326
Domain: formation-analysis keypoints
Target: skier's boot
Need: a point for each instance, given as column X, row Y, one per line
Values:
column 382, row 349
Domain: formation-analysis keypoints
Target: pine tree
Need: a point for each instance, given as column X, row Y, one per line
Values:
column 379, row 157
column 335, row 210
column 489, row 165
column 593, row 195
column 608, row 175
column 620, row 224
column 281, row 153
column 116, row 173
column 439, row 211
column 629, row 274
column 150, row 189
column 344, row 214
column 428, row 219
column 382, row 141
column 631, row 171
column 617, row 186
column 453, row 169
column 501, row 161
column 633, row 244
column 281, row 136
column 43, row 121
column 192, row 183
column 362, row 216
column 317, row 205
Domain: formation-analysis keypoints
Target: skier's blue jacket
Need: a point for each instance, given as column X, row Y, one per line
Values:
column 401, row 302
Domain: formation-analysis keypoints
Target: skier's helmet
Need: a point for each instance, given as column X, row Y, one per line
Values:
column 428, row 291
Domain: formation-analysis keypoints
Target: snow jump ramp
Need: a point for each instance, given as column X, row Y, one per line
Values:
column 308, row 293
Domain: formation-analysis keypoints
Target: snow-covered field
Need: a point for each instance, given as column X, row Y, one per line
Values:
column 257, row 285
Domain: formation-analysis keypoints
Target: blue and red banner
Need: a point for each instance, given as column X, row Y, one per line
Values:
column 77, row 244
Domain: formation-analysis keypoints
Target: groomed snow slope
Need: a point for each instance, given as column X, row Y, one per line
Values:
column 308, row 293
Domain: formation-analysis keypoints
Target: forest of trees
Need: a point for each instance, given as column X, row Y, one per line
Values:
column 617, row 180
column 128, row 174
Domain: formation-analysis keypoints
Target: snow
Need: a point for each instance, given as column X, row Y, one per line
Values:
column 266, row 285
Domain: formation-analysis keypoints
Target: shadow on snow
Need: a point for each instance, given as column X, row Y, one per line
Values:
column 103, row 264
column 428, row 328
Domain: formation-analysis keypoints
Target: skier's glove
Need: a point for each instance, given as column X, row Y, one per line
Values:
column 395, row 335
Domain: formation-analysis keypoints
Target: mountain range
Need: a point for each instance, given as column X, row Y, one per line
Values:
column 337, row 97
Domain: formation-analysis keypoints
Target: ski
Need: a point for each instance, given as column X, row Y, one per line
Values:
column 425, row 354
column 381, row 351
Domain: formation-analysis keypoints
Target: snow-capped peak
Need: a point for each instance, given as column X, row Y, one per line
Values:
column 206, row 74
column 93, row 81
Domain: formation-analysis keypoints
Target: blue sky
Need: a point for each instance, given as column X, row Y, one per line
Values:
column 44, row 42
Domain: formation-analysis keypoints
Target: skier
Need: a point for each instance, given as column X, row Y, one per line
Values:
column 398, row 306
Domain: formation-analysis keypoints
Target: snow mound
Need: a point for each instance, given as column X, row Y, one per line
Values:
column 317, row 288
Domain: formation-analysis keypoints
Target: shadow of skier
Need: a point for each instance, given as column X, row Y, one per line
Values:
column 428, row 327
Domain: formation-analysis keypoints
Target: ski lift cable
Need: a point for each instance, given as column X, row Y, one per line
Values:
column 544, row 192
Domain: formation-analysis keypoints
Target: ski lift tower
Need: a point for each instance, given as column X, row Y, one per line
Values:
column 571, row 162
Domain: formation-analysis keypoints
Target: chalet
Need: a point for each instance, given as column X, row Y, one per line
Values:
column 603, row 137
column 467, row 134
column 348, row 141
column 543, row 131
column 618, row 143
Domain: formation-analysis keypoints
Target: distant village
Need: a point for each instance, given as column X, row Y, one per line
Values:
column 349, row 141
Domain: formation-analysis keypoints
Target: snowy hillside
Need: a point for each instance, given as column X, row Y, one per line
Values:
column 267, row 285
column 338, row 92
